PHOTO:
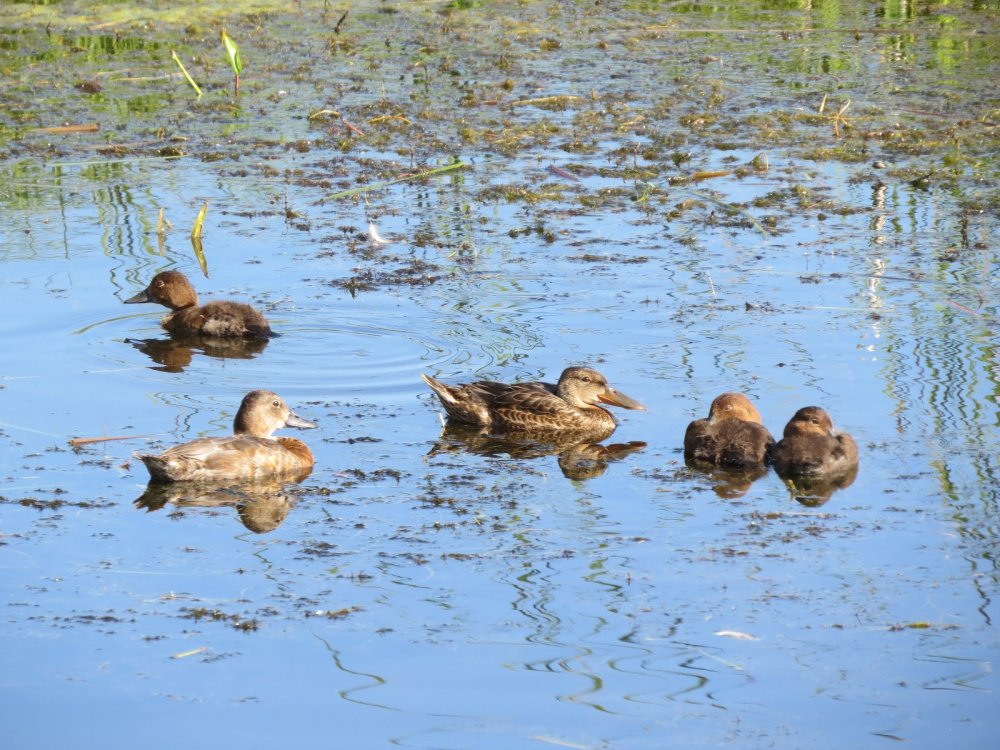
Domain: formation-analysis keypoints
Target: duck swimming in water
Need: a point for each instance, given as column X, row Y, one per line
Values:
column 571, row 405
column 222, row 319
column 731, row 436
column 812, row 448
column 249, row 453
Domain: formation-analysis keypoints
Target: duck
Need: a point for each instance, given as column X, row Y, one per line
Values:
column 568, row 406
column 221, row 319
column 732, row 436
column 811, row 447
column 250, row 453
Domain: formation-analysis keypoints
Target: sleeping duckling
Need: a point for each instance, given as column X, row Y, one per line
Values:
column 812, row 448
column 731, row 436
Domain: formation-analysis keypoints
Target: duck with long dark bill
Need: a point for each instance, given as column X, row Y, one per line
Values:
column 574, row 404
column 812, row 448
column 249, row 453
column 221, row 319
column 731, row 437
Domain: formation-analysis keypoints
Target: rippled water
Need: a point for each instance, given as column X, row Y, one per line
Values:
column 423, row 590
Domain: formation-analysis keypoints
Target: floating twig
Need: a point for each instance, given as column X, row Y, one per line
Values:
column 560, row 172
column 336, row 29
column 87, row 441
column 323, row 113
column 546, row 100
column 964, row 308
column 708, row 174
column 383, row 118
column 90, row 127
column 192, row 652
column 839, row 117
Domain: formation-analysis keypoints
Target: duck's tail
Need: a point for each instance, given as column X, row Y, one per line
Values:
column 159, row 470
column 464, row 403
column 444, row 392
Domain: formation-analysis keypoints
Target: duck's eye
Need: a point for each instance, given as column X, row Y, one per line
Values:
column 276, row 403
column 159, row 283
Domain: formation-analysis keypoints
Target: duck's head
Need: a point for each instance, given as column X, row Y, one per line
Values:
column 810, row 420
column 263, row 412
column 733, row 406
column 168, row 288
column 585, row 388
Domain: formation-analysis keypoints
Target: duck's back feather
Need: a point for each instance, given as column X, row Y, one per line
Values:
column 815, row 455
column 534, row 407
column 728, row 442
column 233, row 457
column 221, row 319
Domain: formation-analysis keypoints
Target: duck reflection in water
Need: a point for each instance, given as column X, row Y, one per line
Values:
column 261, row 506
column 578, row 458
column 729, row 483
column 175, row 353
column 815, row 491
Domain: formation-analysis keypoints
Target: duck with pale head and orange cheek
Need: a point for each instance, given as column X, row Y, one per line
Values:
column 249, row 453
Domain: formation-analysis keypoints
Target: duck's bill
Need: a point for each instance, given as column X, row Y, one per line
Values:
column 617, row 398
column 142, row 296
column 294, row 420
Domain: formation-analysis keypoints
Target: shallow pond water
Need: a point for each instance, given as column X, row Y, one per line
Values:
column 795, row 200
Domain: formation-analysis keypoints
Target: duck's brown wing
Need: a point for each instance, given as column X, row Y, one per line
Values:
column 842, row 456
column 227, row 319
column 214, row 459
column 743, row 443
column 808, row 455
column 699, row 442
column 727, row 442
column 533, row 407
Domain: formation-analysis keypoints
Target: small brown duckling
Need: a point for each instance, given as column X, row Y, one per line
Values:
column 571, row 405
column 223, row 319
column 812, row 448
column 249, row 453
column 732, row 436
